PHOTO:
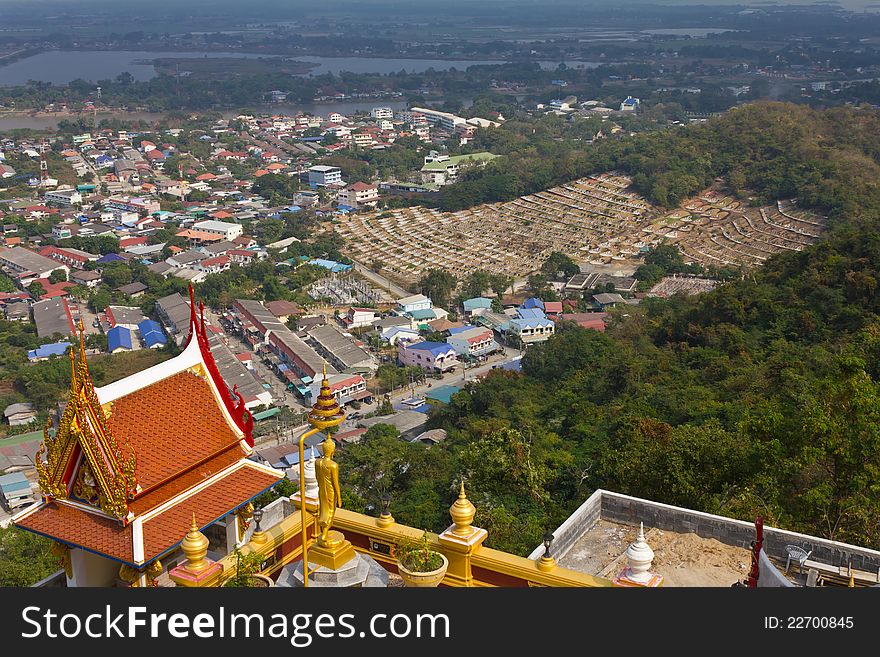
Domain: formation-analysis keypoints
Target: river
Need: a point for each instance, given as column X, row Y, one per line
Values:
column 62, row 67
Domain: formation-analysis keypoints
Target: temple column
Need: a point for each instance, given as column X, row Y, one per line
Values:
column 460, row 540
column 198, row 571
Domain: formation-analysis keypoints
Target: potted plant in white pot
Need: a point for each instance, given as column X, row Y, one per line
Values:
column 419, row 565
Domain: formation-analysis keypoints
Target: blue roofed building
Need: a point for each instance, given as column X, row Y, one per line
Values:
column 119, row 339
column 430, row 356
column 533, row 302
column 332, row 265
column 531, row 325
column 152, row 334
column 46, row 351
column 110, row 257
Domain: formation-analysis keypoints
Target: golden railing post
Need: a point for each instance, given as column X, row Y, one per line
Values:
column 461, row 539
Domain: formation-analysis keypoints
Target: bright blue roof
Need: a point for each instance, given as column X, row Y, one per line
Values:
column 530, row 313
column 459, row 329
column 118, row 337
column 532, row 323
column 46, row 350
column 477, row 302
column 152, row 333
column 332, row 265
column 533, row 302
column 436, row 348
column 111, row 257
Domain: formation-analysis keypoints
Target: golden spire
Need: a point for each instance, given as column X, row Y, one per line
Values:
column 195, row 547
column 326, row 411
column 462, row 512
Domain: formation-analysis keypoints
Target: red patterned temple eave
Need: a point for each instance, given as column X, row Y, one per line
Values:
column 234, row 403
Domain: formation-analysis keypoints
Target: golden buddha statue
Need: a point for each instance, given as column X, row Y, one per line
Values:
column 329, row 493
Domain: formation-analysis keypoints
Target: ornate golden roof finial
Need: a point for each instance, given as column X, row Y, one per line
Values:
column 326, row 411
column 195, row 547
column 462, row 512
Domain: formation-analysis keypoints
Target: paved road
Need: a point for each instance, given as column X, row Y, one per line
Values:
column 457, row 378
column 380, row 281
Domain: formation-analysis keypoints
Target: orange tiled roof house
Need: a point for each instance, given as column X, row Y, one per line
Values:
column 133, row 462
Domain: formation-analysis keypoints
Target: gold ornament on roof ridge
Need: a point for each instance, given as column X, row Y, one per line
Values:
column 84, row 423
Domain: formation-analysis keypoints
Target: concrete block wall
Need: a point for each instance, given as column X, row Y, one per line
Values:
column 579, row 522
column 632, row 510
column 629, row 510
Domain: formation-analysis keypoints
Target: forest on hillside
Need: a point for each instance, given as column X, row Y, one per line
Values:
column 772, row 150
column 759, row 398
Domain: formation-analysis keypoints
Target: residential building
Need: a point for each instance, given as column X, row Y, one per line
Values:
column 174, row 313
column 443, row 170
column 119, row 339
column 445, row 120
column 359, row 195
column 629, row 104
column 413, row 303
column 531, row 325
column 382, row 113
column 19, row 414
column 359, row 317
column 47, row 351
column 409, row 423
column 16, row 491
column 227, row 230
column 53, row 316
column 345, row 388
column 86, row 278
column 476, row 306
column 73, row 258
column 64, row 197
column 26, row 266
column 125, row 316
column 430, row 356
column 151, row 334
column 142, row 206
column 341, row 351
column 321, row 176
column 133, row 290
column 473, row 342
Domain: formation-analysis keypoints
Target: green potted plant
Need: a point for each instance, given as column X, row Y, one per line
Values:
column 419, row 565
column 247, row 571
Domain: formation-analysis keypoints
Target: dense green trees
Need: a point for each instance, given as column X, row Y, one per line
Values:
column 760, row 397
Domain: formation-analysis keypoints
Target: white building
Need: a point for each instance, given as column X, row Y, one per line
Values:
column 63, row 197
column 630, row 104
column 382, row 113
column 359, row 195
column 227, row 230
column 321, row 175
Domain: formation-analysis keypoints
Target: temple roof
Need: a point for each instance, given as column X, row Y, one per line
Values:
column 159, row 529
column 133, row 460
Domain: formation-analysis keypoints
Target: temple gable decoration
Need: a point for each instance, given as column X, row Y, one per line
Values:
column 83, row 462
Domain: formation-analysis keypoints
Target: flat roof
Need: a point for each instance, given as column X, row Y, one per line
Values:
column 25, row 259
column 53, row 316
column 684, row 559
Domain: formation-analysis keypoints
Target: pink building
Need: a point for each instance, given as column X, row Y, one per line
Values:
column 430, row 356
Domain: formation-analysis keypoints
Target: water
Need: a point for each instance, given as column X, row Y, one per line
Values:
column 62, row 67
column 695, row 32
